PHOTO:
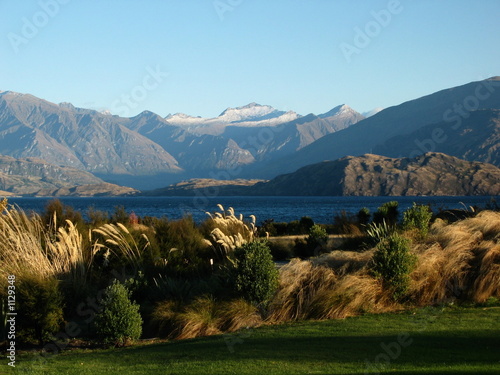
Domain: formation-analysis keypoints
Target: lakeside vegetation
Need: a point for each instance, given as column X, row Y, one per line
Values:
column 94, row 282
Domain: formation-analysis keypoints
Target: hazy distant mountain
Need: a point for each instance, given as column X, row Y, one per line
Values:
column 148, row 150
column 81, row 138
column 250, row 115
column 239, row 136
column 475, row 138
column 372, row 175
column 448, row 105
column 33, row 176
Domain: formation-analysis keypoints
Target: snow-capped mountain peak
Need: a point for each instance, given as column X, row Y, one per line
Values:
column 182, row 118
column 249, row 112
column 338, row 111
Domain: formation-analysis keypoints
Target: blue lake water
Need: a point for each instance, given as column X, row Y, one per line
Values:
column 281, row 209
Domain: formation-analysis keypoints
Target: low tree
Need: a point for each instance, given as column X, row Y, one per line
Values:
column 392, row 263
column 119, row 320
column 255, row 276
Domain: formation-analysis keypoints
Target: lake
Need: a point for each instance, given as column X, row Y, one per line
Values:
column 281, row 209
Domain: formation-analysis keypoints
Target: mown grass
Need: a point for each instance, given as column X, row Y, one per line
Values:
column 441, row 341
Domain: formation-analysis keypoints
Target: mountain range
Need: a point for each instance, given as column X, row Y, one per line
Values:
column 367, row 175
column 444, row 115
column 148, row 150
column 250, row 142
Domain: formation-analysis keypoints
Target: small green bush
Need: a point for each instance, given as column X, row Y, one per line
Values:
column 393, row 262
column 256, row 276
column 40, row 308
column 317, row 239
column 280, row 250
column 119, row 320
column 388, row 212
column 417, row 217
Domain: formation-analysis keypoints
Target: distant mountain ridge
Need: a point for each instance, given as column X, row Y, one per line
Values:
column 145, row 149
column 80, row 138
column 375, row 175
column 254, row 141
column 430, row 174
column 368, row 135
column 34, row 177
column 476, row 139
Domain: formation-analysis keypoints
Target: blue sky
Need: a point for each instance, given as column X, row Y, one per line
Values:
column 202, row 56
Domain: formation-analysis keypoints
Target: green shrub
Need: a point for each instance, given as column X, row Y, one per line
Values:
column 305, row 224
column 317, row 239
column 56, row 213
column 182, row 247
column 280, row 250
column 417, row 217
column 393, row 262
column 256, row 276
column 388, row 212
column 39, row 308
column 119, row 320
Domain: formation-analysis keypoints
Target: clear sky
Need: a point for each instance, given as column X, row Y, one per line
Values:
column 202, row 56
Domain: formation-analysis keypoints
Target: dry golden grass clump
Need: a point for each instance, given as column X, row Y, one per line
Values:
column 300, row 283
column 459, row 261
column 28, row 249
column 204, row 316
column 344, row 262
column 309, row 291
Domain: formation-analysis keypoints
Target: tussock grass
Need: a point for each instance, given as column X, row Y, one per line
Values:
column 459, row 261
column 204, row 316
column 344, row 262
column 351, row 295
column 300, row 283
column 309, row 291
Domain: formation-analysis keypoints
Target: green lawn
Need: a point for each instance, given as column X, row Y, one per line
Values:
column 431, row 341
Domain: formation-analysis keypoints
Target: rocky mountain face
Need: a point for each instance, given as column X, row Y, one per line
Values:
column 475, row 138
column 373, row 175
column 239, row 136
column 79, row 138
column 35, row 177
column 148, row 151
column 452, row 106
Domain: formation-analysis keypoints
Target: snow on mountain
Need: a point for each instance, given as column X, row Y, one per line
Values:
column 341, row 110
column 373, row 112
column 250, row 115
